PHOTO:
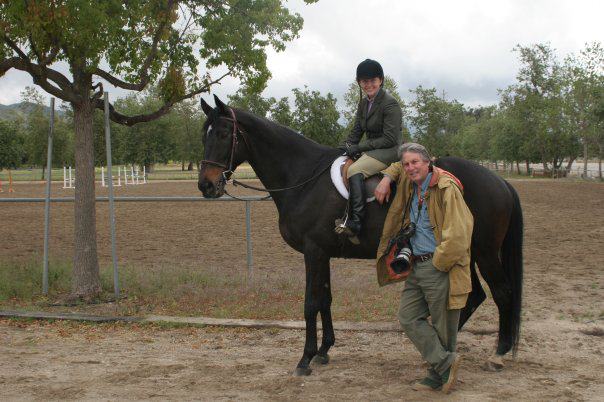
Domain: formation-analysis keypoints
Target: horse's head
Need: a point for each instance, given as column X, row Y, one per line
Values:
column 224, row 148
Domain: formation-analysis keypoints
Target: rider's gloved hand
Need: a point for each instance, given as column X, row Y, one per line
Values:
column 353, row 151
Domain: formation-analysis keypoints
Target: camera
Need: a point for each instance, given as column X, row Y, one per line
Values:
column 402, row 259
column 408, row 231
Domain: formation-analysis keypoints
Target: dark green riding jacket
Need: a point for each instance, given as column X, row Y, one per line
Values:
column 381, row 126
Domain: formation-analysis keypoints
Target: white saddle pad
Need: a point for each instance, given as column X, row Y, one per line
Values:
column 336, row 178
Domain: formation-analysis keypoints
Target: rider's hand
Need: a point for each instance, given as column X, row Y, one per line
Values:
column 353, row 150
column 382, row 191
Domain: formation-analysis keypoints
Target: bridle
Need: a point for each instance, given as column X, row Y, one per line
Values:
column 226, row 174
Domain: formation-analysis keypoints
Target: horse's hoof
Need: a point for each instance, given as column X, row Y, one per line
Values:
column 302, row 371
column 320, row 359
column 495, row 363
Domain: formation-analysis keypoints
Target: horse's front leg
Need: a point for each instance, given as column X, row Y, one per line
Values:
column 317, row 299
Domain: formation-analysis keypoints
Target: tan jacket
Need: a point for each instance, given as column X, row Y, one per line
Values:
column 452, row 223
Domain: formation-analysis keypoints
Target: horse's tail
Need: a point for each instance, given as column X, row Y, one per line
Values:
column 511, row 252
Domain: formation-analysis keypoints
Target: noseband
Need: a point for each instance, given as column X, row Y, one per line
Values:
column 228, row 169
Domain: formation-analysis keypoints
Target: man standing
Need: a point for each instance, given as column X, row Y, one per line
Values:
column 439, row 282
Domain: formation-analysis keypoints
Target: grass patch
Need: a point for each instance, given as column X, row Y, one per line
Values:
column 22, row 281
column 195, row 291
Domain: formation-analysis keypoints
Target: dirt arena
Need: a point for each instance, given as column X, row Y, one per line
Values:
column 560, row 355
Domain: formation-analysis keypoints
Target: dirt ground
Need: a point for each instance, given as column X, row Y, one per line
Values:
column 560, row 355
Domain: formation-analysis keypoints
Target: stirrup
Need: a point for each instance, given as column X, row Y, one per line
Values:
column 344, row 230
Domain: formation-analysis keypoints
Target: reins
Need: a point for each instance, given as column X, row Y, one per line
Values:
column 229, row 168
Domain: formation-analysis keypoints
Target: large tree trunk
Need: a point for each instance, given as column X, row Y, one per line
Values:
column 86, row 282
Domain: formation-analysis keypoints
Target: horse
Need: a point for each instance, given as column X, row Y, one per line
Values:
column 294, row 170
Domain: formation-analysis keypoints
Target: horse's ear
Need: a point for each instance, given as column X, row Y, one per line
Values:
column 220, row 105
column 207, row 109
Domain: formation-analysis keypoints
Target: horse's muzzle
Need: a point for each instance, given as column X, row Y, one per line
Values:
column 210, row 189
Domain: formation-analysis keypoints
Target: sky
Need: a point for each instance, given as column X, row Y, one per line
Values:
column 463, row 48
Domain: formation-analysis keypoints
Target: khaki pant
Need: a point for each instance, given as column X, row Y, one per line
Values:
column 366, row 165
column 426, row 294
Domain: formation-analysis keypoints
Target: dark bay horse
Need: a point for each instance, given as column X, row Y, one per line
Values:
column 283, row 158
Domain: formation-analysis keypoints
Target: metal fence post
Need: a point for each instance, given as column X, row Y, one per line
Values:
column 116, row 283
column 248, row 236
column 47, row 202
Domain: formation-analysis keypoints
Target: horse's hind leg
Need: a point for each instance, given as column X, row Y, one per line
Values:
column 492, row 271
column 475, row 298
column 317, row 299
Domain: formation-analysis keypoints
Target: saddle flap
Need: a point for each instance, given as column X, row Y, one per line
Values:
column 339, row 169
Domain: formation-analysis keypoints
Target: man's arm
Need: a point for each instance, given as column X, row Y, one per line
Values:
column 391, row 173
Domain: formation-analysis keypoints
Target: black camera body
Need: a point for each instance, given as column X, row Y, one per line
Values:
column 402, row 257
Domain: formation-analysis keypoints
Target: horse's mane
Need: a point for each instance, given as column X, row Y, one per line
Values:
column 291, row 136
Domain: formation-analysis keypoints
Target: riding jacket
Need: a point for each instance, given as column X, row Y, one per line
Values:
column 451, row 221
column 381, row 126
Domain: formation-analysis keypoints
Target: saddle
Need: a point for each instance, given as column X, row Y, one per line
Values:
column 339, row 170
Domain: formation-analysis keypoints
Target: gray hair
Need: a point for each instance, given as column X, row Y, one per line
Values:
column 415, row 148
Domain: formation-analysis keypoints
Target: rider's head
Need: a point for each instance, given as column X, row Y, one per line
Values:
column 370, row 77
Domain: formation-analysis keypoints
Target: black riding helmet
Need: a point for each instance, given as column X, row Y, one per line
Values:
column 369, row 69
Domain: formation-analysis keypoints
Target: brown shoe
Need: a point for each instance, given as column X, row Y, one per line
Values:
column 450, row 376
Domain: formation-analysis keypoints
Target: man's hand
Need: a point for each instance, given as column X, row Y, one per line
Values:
column 382, row 191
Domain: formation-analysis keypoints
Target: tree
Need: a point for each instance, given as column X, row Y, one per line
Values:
column 584, row 77
column 35, row 128
column 436, row 121
column 248, row 99
column 130, row 45
column 316, row 116
column 11, row 145
column 540, row 97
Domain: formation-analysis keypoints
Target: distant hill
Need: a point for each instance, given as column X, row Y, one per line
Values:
column 21, row 110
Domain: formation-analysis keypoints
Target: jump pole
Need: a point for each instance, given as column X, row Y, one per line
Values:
column 47, row 203
column 116, row 284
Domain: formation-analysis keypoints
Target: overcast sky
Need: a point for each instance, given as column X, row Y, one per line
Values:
column 462, row 47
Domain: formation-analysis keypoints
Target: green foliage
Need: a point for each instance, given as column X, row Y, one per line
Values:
column 146, row 143
column 316, row 116
column 247, row 98
column 436, row 121
column 11, row 145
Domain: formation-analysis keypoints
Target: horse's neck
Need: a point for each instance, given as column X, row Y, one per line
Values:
column 281, row 159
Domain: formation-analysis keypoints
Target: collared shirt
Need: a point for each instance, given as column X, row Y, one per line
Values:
column 370, row 101
column 423, row 242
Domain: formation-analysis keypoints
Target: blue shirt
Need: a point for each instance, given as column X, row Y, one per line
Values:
column 423, row 242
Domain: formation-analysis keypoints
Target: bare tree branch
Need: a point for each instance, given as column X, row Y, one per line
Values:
column 116, row 82
column 117, row 117
column 40, row 76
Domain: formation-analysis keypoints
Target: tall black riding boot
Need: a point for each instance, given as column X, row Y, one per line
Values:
column 356, row 209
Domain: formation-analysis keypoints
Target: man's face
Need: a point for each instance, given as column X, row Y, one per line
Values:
column 370, row 86
column 416, row 168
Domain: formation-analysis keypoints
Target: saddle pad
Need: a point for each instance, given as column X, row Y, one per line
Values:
column 336, row 178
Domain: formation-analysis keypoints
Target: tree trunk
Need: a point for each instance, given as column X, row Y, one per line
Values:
column 528, row 167
column 518, row 167
column 86, row 282
column 182, row 165
column 43, row 169
column 190, row 167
